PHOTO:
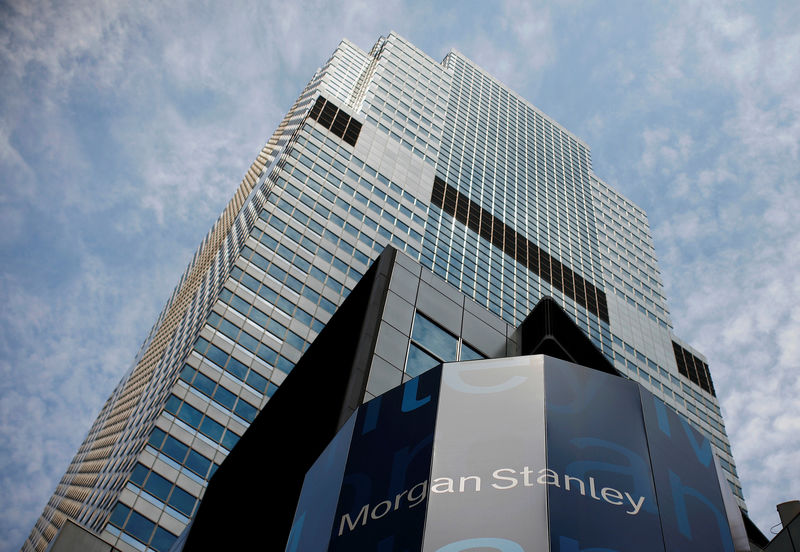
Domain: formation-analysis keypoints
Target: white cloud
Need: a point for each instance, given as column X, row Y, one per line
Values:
column 125, row 127
column 723, row 213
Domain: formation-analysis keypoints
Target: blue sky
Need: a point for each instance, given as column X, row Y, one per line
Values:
column 126, row 126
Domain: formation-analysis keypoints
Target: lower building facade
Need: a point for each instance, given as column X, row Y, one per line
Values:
column 430, row 464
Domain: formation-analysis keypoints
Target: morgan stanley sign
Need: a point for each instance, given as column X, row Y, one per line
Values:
column 522, row 454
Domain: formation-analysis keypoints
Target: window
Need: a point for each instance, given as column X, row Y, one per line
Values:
column 419, row 361
column 435, row 339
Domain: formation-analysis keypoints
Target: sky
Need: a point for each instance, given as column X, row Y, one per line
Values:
column 125, row 127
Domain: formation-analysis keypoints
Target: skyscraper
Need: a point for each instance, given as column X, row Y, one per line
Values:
column 441, row 161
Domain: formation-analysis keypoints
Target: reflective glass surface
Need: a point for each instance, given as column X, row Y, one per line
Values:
column 434, row 339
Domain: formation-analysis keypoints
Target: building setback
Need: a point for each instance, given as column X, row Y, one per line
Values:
column 387, row 147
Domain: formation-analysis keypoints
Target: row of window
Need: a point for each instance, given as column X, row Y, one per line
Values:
column 619, row 286
column 372, row 180
column 614, row 203
column 639, row 282
column 472, row 133
column 470, row 108
column 626, row 252
column 407, row 139
column 694, row 369
column 377, row 207
column 309, row 245
column 163, row 489
column 237, row 369
column 281, row 303
column 516, row 246
column 480, row 275
column 219, row 394
column 201, row 422
column 417, row 71
column 708, row 412
column 252, row 344
column 255, row 315
column 309, row 200
column 558, row 220
column 182, row 454
column 431, row 345
column 484, row 162
column 280, row 276
column 561, row 232
column 471, row 80
column 412, row 110
column 480, row 271
column 142, row 529
column 327, row 114
column 636, row 256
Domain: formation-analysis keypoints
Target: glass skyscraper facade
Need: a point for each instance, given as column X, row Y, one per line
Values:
column 443, row 162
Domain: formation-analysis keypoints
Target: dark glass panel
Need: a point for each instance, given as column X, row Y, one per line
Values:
column 198, row 463
column 211, row 429
column 158, row 486
column 437, row 340
column 156, row 438
column 190, row 415
column 225, row 397
column 419, row 361
column 119, row 515
column 139, row 527
column 182, row 501
column 162, row 540
column 139, row 474
column 175, row 449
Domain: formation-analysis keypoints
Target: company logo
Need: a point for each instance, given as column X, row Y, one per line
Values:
column 502, row 479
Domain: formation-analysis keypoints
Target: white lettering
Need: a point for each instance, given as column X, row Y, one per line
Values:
column 591, row 489
column 636, row 505
column 512, row 480
column 605, row 491
column 416, row 500
column 352, row 524
column 376, row 515
column 397, row 500
column 526, row 474
column 464, row 479
column 568, row 478
column 548, row 477
column 502, row 479
column 442, row 485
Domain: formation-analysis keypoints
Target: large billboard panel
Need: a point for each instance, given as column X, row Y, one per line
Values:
column 598, row 468
column 523, row 454
column 488, row 448
column 693, row 513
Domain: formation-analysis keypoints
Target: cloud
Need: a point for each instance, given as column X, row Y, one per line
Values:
column 736, row 275
column 125, row 127
column 59, row 359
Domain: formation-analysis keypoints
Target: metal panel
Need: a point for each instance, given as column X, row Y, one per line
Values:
column 383, row 498
column 314, row 516
column 489, row 442
column 600, row 487
column 692, row 511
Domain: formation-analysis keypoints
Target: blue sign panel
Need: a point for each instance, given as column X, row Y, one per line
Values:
column 385, row 486
column 692, row 509
column 600, row 488
column 313, row 518
column 518, row 454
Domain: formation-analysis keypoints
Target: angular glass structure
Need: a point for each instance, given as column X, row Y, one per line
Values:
column 478, row 189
